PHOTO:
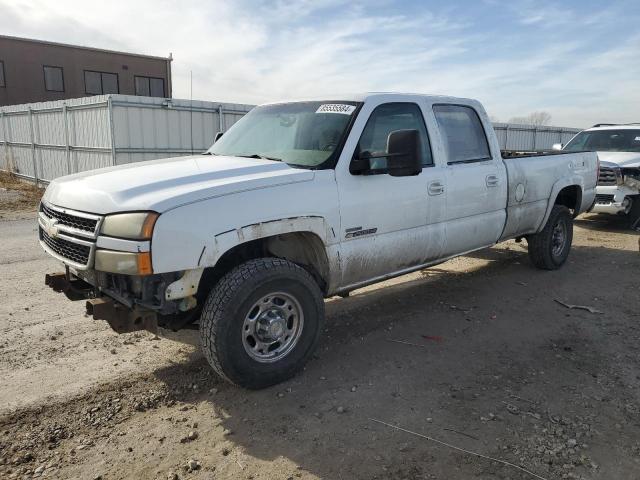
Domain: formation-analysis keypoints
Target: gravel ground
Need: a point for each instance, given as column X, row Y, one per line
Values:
column 476, row 352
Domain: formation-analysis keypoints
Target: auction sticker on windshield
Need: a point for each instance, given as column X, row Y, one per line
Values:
column 336, row 108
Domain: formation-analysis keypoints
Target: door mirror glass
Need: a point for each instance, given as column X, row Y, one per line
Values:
column 557, row 146
column 402, row 157
column 403, row 153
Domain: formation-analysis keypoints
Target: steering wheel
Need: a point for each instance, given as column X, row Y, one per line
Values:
column 329, row 145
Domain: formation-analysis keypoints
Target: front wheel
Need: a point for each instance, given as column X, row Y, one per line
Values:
column 549, row 248
column 261, row 322
column 634, row 213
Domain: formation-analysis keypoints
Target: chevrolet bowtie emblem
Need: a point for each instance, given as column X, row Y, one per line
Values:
column 52, row 228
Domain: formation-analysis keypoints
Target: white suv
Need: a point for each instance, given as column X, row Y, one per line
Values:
column 618, row 148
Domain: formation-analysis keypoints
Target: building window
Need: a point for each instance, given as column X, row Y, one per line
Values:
column 53, row 79
column 149, row 86
column 2, row 82
column 100, row 83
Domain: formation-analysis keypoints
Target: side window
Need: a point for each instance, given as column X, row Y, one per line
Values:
column 386, row 119
column 462, row 133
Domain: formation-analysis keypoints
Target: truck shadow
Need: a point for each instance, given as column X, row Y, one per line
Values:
column 606, row 223
column 433, row 354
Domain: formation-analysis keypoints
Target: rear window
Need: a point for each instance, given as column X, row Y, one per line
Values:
column 462, row 133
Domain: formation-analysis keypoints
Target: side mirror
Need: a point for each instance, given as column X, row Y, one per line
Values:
column 403, row 153
column 557, row 146
column 218, row 135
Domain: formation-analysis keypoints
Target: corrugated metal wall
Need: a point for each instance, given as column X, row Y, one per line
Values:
column 513, row 136
column 50, row 139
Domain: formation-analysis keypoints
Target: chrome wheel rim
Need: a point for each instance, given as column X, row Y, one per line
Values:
column 272, row 327
column 558, row 239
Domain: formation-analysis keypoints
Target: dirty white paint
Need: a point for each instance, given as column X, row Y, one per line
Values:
column 370, row 226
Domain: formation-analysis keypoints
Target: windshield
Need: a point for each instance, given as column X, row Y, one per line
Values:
column 623, row 140
column 304, row 134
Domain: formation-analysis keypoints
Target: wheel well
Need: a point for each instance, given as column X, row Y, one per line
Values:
column 304, row 248
column 570, row 197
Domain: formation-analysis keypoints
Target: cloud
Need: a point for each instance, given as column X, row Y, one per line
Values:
column 576, row 61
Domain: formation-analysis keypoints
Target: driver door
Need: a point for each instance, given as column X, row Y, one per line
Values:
column 384, row 219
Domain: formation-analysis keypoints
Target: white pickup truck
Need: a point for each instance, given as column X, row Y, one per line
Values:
column 618, row 148
column 296, row 202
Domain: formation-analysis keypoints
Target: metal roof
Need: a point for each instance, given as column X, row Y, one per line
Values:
column 81, row 47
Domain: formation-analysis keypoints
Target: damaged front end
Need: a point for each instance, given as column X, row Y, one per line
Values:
column 631, row 177
column 107, row 262
column 127, row 303
column 617, row 190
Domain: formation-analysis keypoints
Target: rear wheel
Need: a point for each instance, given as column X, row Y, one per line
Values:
column 261, row 322
column 549, row 248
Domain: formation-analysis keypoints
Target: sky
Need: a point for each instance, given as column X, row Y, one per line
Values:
column 579, row 60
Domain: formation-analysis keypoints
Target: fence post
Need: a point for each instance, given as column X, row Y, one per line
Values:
column 535, row 134
column 33, row 147
column 66, row 138
column 220, row 118
column 506, row 137
column 4, row 141
column 111, row 130
column 7, row 138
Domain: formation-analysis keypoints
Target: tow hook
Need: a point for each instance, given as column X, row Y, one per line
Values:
column 120, row 318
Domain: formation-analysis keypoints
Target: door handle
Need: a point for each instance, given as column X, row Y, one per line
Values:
column 492, row 181
column 436, row 188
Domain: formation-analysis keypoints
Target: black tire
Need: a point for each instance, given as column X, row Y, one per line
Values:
column 546, row 250
column 634, row 213
column 230, row 304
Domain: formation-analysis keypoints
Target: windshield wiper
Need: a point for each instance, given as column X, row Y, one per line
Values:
column 263, row 157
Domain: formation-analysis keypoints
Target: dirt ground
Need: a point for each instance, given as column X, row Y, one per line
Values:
column 476, row 353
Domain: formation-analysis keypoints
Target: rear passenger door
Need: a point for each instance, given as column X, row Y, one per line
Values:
column 476, row 180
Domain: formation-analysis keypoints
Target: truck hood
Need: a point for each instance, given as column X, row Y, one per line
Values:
column 624, row 159
column 161, row 185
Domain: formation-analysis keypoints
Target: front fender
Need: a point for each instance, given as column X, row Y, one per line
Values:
column 223, row 242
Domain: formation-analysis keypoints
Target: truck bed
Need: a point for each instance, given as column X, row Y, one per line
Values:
column 533, row 179
column 507, row 154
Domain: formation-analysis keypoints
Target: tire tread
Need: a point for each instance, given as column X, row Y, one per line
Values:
column 223, row 293
column 539, row 244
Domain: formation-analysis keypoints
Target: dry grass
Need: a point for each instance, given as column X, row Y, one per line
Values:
column 18, row 194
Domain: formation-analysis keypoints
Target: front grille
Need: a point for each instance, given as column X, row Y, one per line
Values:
column 607, row 176
column 73, row 221
column 602, row 198
column 72, row 251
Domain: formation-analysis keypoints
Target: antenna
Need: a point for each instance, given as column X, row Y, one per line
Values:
column 191, row 111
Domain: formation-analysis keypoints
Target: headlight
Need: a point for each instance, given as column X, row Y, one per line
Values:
column 134, row 226
column 126, row 263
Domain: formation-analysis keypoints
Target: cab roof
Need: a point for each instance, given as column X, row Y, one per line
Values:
column 614, row 126
column 383, row 96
